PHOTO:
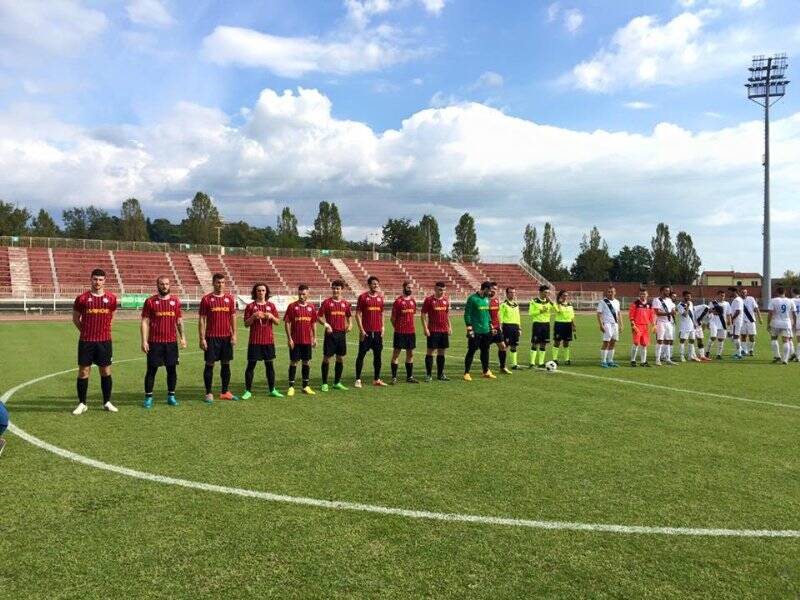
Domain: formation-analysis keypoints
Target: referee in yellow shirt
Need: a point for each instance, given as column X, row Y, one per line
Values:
column 563, row 327
column 510, row 324
column 540, row 310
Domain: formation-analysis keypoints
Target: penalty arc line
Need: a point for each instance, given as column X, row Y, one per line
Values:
column 376, row 509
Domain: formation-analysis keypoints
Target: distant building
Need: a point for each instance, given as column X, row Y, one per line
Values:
column 729, row 278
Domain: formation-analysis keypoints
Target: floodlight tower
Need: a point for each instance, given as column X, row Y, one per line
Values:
column 766, row 86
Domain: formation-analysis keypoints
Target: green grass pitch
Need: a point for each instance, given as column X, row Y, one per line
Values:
column 530, row 445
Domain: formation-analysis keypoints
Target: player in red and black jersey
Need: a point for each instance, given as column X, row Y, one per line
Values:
column 435, row 317
column 405, row 337
column 161, row 322
column 300, row 322
column 334, row 314
column 369, row 318
column 497, row 332
column 259, row 317
column 217, row 329
column 92, row 314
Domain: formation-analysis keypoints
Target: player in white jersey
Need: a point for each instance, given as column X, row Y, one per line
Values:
column 736, row 320
column 688, row 329
column 796, row 298
column 608, row 318
column 751, row 313
column 781, row 321
column 702, row 313
column 664, row 309
column 718, row 324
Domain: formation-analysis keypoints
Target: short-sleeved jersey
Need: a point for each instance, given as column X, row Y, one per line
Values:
column 371, row 309
column 301, row 318
column 494, row 312
column 509, row 313
column 750, row 308
column 737, row 304
column 218, row 310
column 335, row 312
column 564, row 313
column 686, row 311
column 719, row 313
column 96, row 315
column 702, row 312
column 162, row 315
column 608, row 310
column 641, row 313
column 403, row 311
column 664, row 305
column 261, row 332
column 438, row 312
column 540, row 310
column 781, row 310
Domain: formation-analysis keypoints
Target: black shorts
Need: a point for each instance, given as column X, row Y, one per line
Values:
column 335, row 344
column 404, row 341
column 511, row 334
column 219, row 348
column 540, row 333
column 162, row 354
column 300, row 352
column 562, row 332
column 438, row 340
column 94, row 353
column 479, row 341
column 373, row 340
column 259, row 352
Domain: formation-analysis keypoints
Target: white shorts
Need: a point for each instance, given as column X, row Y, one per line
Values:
column 665, row 330
column 717, row 332
column 781, row 330
column 749, row 328
column 736, row 328
column 690, row 334
column 610, row 332
column 698, row 333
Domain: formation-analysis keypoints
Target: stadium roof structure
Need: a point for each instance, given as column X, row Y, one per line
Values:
column 731, row 274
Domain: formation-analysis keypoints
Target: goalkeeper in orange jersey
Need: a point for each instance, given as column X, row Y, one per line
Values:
column 643, row 320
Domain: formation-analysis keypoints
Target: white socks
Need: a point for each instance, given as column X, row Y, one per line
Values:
column 634, row 352
column 659, row 352
column 603, row 355
column 787, row 351
column 644, row 354
column 775, row 349
column 611, row 354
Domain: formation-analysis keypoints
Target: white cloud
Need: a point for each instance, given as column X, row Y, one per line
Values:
column 433, row 6
column 713, row 115
column 488, row 79
column 464, row 157
column 638, row 105
column 360, row 12
column 686, row 49
column 53, row 27
column 573, row 20
column 370, row 50
column 150, row 13
column 417, row 81
column 552, row 12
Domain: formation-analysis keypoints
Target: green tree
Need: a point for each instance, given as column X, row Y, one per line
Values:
column 163, row 231
column 632, row 264
column 687, row 261
column 400, row 235
column 202, row 220
column 134, row 225
column 532, row 248
column 465, row 246
column 790, row 279
column 102, row 226
column 593, row 262
column 13, row 220
column 44, row 226
column 429, row 227
column 664, row 260
column 76, row 222
column 327, row 232
column 288, row 236
column 551, row 264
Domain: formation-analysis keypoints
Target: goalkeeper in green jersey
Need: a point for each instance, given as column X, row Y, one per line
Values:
column 510, row 324
column 479, row 331
column 563, row 327
column 540, row 310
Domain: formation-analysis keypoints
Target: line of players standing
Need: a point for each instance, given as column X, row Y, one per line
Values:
column 488, row 322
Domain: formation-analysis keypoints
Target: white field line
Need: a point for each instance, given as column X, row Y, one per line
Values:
column 382, row 510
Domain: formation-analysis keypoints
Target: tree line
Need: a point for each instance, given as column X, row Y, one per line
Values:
column 663, row 261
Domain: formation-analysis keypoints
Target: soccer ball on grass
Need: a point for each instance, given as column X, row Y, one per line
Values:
column 550, row 366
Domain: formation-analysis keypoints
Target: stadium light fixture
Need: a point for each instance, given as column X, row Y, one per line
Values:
column 766, row 86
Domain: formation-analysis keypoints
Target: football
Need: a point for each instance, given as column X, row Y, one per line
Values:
column 551, row 366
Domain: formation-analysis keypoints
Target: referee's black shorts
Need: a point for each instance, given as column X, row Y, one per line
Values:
column 540, row 333
column 95, row 353
column 162, row 354
column 511, row 334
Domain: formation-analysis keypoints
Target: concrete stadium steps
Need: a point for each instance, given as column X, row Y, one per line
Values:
column 248, row 270
column 182, row 266
column 425, row 275
column 295, row 271
column 41, row 271
column 346, row 274
column 216, row 264
column 20, row 272
column 74, row 268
